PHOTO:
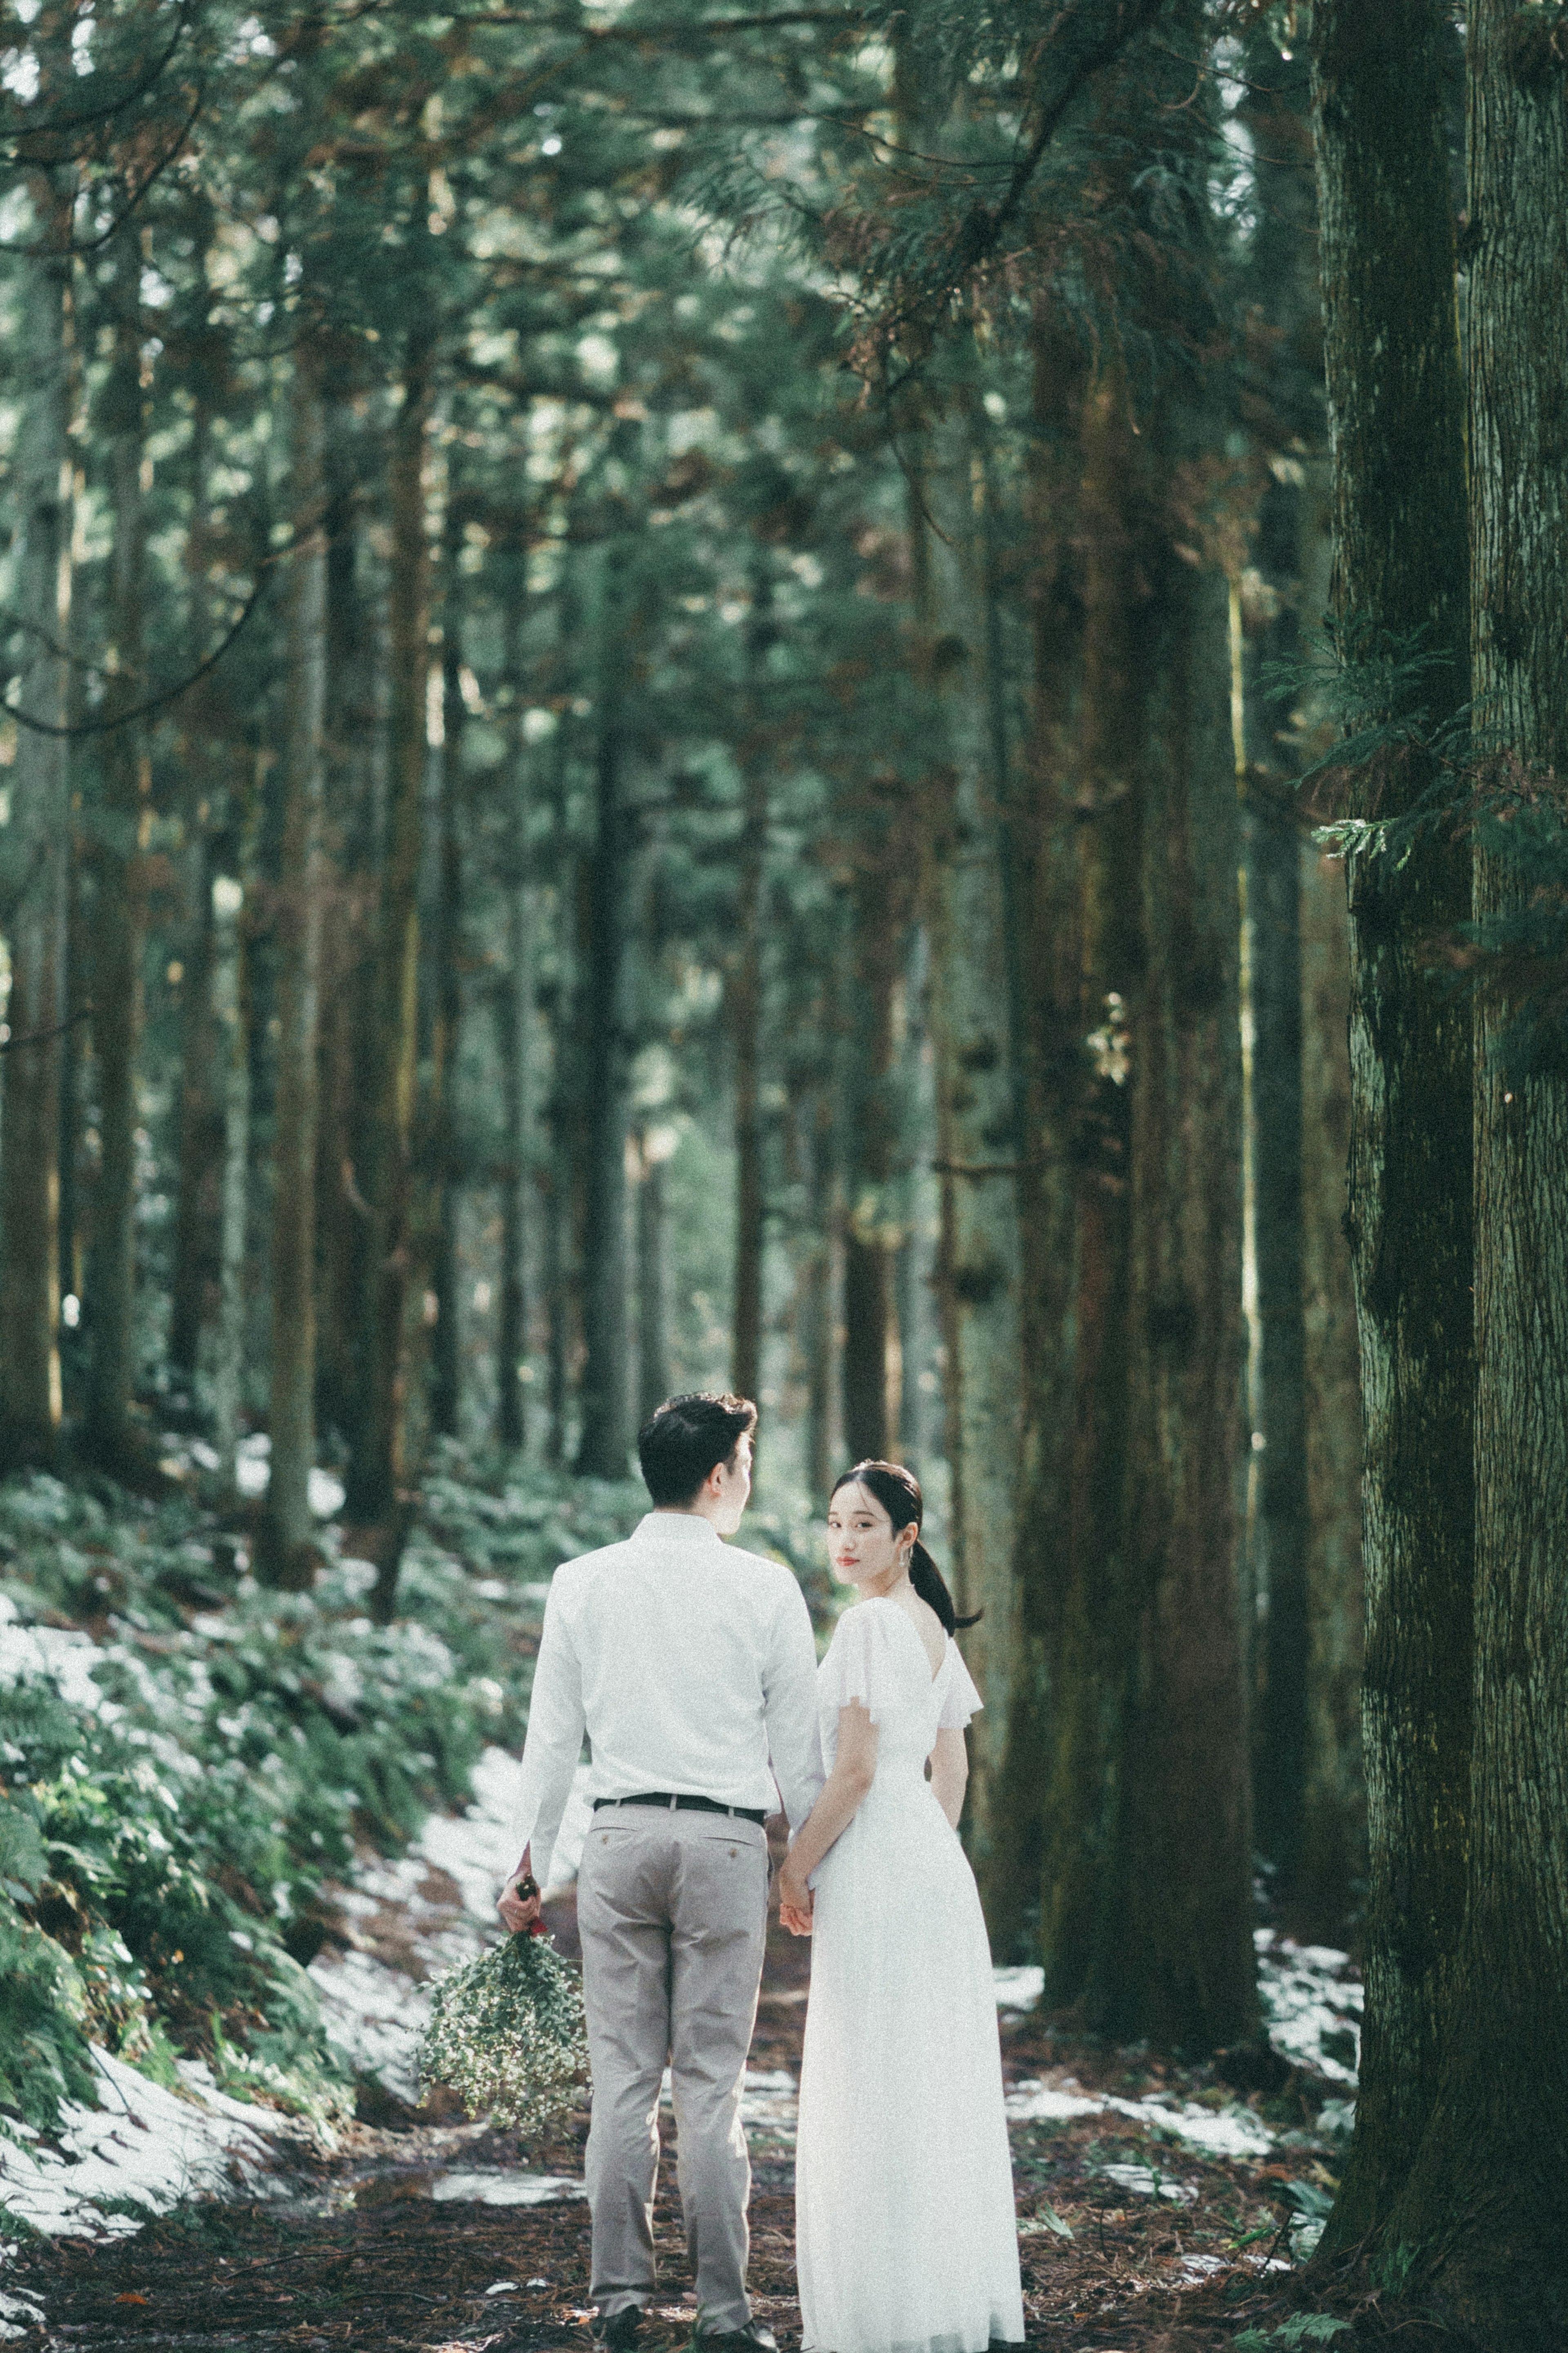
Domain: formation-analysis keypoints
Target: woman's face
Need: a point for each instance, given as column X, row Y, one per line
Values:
column 862, row 1543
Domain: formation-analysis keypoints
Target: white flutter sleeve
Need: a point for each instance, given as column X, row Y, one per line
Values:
column 868, row 1660
column 960, row 1701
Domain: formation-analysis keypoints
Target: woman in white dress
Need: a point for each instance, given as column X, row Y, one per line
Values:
column 906, row 2240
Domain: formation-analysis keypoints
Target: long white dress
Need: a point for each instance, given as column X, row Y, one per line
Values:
column 906, row 2240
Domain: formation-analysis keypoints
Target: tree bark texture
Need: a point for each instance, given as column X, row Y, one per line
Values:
column 376, row 1466
column 604, row 1442
column 39, row 843
column 446, row 1163
column 1331, row 1866
column 1146, row 1903
column 1400, row 563
column 653, row 1285
column 514, row 1045
column 977, row 1097
column 1482, row 2227
column 1041, row 847
column 746, row 1026
column 286, row 1552
column 119, row 910
column 231, row 1015
column 870, row 1228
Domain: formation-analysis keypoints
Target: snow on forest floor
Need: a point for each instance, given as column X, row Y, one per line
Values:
column 404, row 1921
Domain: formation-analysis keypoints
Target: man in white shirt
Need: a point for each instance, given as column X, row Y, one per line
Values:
column 691, row 1667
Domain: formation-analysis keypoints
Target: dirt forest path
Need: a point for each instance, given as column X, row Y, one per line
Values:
column 395, row 2243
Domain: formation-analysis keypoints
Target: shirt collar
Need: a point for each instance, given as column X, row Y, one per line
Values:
column 678, row 1527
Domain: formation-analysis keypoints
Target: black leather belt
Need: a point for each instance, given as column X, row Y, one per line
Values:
column 682, row 1805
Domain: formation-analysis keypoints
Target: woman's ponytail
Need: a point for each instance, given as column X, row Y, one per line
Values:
column 932, row 1586
column 898, row 1493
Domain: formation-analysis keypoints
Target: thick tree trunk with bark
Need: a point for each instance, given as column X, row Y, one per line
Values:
column 40, row 848
column 119, row 912
column 1042, row 846
column 1146, row 1920
column 1400, row 562
column 356, row 795
column 1483, row 2220
column 286, row 1552
column 603, row 1446
column 1332, row 1865
column 375, row 1500
column 979, row 1147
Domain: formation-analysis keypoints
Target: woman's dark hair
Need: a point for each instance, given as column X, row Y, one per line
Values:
column 687, row 1438
column 898, row 1493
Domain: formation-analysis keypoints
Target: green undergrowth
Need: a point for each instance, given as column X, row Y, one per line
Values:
column 188, row 1760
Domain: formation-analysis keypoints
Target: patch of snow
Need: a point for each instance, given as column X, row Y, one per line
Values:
column 1145, row 2183
column 57, row 1654
column 19, row 2314
column 1309, row 1997
column 326, row 1493
column 374, row 2015
column 251, row 1468
column 1033, row 2101
column 1019, row 1989
column 143, row 2144
column 507, row 2189
column 1235, row 2132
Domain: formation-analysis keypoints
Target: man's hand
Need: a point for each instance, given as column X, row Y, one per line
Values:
column 796, row 1901
column 519, row 1903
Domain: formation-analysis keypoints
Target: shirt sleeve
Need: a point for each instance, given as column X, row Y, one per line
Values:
column 867, row 1661
column 555, row 1742
column 961, row 1700
column 789, row 1705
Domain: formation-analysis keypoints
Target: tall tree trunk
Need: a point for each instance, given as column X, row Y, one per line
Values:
column 119, row 912
column 286, row 1552
column 514, row 1044
column 1176, row 1961
column 1332, row 1862
column 870, row 1233
column 604, row 1445
column 1146, row 1912
column 816, row 1317
column 1485, row 2213
column 653, row 1280
column 355, row 754
column 746, row 1016
column 231, row 1013
column 1400, row 566
column 1042, row 846
column 376, row 1499
column 446, row 1352
column 973, row 1005
column 199, row 1123
column 41, row 850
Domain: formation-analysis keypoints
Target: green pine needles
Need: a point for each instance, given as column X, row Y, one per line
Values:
column 506, row 2033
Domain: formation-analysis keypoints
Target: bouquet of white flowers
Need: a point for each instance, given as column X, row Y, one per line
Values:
column 506, row 2032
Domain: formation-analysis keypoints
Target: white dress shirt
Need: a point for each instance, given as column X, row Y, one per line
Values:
column 688, row 1663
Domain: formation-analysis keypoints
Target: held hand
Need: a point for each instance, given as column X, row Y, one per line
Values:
column 796, row 1901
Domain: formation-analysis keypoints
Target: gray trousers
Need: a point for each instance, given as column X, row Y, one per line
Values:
column 672, row 1912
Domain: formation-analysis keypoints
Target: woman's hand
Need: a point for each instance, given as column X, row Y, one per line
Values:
column 795, row 1900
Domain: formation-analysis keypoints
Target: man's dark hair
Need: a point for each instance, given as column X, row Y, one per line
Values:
column 687, row 1438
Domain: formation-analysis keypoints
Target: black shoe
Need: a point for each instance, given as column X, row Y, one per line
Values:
column 621, row 2331
column 755, row 2337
